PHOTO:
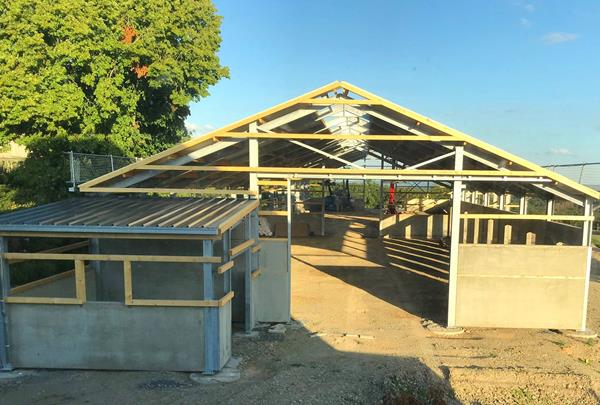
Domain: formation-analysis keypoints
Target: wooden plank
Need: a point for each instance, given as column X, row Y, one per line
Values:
column 46, row 280
column 529, row 216
column 184, row 303
column 320, row 170
column 236, row 250
column 42, row 300
column 256, row 273
column 344, row 101
column 281, row 183
column 224, row 267
column 175, row 303
column 241, row 213
column 272, row 213
column 336, row 137
column 127, row 286
column 59, row 249
column 80, row 291
column 113, row 258
column 256, row 248
column 226, row 298
column 147, row 190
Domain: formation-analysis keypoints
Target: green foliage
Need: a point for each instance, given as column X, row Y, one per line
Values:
column 119, row 74
column 596, row 241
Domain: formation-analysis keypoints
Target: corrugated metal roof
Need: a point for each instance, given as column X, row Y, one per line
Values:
column 189, row 216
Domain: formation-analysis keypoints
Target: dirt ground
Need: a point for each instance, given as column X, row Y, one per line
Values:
column 358, row 305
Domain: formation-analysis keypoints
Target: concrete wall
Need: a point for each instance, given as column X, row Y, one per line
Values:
column 521, row 286
column 414, row 225
column 105, row 335
column 224, row 334
column 272, row 287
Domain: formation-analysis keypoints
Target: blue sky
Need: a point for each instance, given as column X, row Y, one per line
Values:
column 522, row 75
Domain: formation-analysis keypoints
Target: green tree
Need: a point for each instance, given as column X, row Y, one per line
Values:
column 114, row 76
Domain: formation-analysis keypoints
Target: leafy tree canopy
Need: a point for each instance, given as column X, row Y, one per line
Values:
column 120, row 72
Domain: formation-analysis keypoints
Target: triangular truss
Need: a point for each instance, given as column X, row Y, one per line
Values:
column 323, row 134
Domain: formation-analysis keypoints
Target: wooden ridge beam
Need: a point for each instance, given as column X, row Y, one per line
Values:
column 341, row 137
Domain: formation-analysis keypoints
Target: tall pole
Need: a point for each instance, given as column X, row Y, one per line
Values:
column 4, row 292
column 454, row 238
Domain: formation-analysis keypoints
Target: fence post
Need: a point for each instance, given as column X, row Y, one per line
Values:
column 112, row 163
column 72, row 167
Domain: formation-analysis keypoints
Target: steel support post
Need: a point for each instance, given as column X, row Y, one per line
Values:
column 4, row 292
column 253, row 157
column 587, row 241
column 248, row 315
column 211, row 315
column 454, row 238
column 94, row 248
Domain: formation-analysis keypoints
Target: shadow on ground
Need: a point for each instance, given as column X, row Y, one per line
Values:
column 297, row 367
column 410, row 274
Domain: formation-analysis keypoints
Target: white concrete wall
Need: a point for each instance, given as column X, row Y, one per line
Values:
column 272, row 288
column 518, row 286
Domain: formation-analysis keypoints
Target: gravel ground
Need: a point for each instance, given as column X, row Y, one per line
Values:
column 357, row 337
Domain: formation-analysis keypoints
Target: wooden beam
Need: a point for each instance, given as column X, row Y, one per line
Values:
column 42, row 300
column 338, row 137
column 281, row 183
column 347, row 101
column 319, row 170
column 236, row 250
column 37, row 283
column 184, row 303
column 256, row 273
column 529, row 216
column 272, row 213
column 148, row 190
column 80, row 291
column 224, row 267
column 59, row 249
column 127, row 286
column 256, row 248
column 113, row 258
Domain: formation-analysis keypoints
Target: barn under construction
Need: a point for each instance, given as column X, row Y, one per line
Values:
column 213, row 247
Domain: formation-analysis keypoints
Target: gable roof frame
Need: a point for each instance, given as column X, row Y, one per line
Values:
column 312, row 103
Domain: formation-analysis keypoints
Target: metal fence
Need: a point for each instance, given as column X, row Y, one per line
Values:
column 87, row 166
column 584, row 173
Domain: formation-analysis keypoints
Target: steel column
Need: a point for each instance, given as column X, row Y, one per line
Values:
column 248, row 316
column 211, row 315
column 4, row 292
column 454, row 238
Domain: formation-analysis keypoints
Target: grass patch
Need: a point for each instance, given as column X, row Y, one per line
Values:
column 596, row 240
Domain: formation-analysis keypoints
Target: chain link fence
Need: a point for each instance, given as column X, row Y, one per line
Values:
column 87, row 166
column 584, row 173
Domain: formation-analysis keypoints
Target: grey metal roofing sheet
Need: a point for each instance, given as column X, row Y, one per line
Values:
column 111, row 214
